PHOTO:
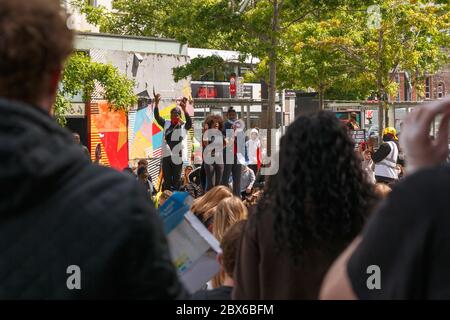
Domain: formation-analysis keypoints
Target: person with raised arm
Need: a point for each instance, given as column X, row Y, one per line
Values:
column 174, row 132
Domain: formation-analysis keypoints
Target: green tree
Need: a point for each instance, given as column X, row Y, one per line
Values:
column 81, row 76
column 356, row 50
column 316, row 61
column 398, row 36
column 333, row 46
column 254, row 27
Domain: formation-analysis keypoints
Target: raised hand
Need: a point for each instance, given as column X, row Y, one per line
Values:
column 420, row 149
column 157, row 98
column 183, row 104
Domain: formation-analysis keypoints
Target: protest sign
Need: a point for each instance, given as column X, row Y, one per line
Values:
column 193, row 248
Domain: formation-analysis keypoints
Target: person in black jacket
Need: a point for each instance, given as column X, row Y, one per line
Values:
column 174, row 131
column 77, row 139
column 69, row 229
column 145, row 178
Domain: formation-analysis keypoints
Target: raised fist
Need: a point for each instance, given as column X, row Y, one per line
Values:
column 157, row 98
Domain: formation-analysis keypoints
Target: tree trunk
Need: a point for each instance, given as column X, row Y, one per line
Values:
column 380, row 86
column 380, row 119
column 272, row 77
column 87, row 106
column 386, row 114
column 321, row 97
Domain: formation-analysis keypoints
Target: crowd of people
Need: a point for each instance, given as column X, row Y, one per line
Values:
column 325, row 219
column 230, row 158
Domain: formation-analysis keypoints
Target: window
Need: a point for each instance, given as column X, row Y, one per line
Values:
column 92, row 3
column 407, row 89
column 243, row 70
column 440, row 90
column 218, row 74
column 224, row 74
column 428, row 88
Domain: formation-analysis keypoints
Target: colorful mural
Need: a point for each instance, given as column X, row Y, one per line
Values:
column 118, row 140
column 146, row 136
column 108, row 136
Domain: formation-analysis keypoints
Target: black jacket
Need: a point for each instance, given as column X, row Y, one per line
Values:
column 58, row 210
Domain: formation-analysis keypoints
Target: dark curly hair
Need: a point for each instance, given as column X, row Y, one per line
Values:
column 212, row 119
column 319, row 197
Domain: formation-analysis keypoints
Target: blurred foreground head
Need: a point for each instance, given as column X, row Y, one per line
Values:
column 34, row 43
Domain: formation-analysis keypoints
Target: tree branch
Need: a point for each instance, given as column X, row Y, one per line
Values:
column 298, row 19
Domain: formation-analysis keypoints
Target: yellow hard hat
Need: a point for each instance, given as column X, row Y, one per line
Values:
column 392, row 131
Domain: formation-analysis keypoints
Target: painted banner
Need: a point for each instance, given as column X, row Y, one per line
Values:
column 108, row 136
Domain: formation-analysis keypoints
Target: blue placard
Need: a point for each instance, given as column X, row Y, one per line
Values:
column 173, row 210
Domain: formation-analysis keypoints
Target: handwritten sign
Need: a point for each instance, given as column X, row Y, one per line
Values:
column 358, row 136
column 76, row 110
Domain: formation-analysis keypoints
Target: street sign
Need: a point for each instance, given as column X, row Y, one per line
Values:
column 290, row 94
column 240, row 87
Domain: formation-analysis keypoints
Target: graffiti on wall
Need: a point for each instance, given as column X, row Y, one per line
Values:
column 109, row 136
column 145, row 135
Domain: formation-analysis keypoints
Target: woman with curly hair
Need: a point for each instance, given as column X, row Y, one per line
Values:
column 315, row 206
column 213, row 150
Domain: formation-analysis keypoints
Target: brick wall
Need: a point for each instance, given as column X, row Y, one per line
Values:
column 439, row 82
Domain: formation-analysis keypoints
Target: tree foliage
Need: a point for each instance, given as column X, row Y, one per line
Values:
column 198, row 67
column 82, row 76
column 411, row 40
column 327, row 46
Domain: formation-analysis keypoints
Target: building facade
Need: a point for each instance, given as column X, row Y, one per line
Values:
column 117, row 139
column 437, row 86
column 77, row 21
column 214, row 93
